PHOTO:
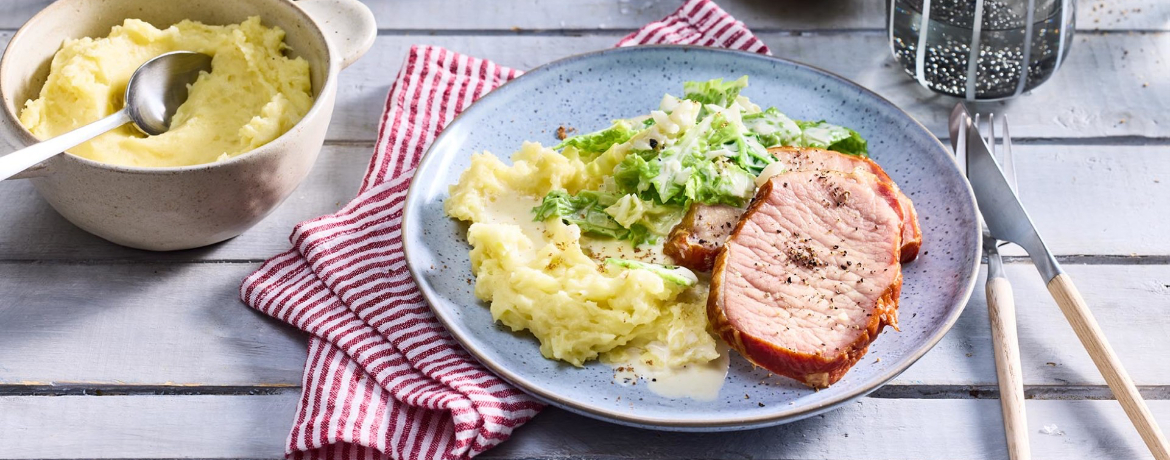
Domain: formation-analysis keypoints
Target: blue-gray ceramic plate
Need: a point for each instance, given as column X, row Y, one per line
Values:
column 589, row 90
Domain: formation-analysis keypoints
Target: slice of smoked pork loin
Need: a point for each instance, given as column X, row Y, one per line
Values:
column 695, row 241
column 808, row 159
column 810, row 275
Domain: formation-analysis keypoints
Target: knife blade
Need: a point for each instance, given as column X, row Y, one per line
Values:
column 957, row 125
column 1005, row 216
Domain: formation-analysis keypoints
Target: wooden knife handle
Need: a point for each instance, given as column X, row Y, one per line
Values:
column 1093, row 339
column 1001, row 310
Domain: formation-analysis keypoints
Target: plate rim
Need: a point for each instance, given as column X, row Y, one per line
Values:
column 729, row 423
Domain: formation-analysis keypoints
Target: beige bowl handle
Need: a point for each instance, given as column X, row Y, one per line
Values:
column 348, row 25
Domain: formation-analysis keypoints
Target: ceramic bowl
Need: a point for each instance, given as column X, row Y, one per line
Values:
column 182, row 207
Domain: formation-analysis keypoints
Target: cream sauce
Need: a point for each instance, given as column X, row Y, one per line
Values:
column 517, row 210
column 698, row 382
column 600, row 249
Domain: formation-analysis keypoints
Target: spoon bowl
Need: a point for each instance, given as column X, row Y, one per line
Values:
column 154, row 93
column 159, row 87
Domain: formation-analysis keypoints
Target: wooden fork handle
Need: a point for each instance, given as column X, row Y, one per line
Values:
column 1001, row 310
column 1093, row 339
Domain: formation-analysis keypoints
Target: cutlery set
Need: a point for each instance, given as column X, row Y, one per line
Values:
column 1005, row 221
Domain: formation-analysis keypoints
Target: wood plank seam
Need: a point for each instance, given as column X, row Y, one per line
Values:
column 1127, row 140
column 618, row 32
column 1031, row 392
column 1070, row 259
column 82, row 389
column 889, row 391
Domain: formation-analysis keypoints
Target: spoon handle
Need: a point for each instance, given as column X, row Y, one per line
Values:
column 28, row 157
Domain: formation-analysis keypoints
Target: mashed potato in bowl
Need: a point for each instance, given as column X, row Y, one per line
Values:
column 253, row 94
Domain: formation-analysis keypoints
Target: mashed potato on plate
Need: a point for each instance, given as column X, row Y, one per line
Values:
column 253, row 94
column 544, row 277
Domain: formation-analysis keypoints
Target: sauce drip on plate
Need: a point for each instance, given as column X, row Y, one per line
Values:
column 698, row 382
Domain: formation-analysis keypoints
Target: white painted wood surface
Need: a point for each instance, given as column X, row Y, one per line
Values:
column 1104, row 88
column 1114, row 89
column 187, row 316
column 1071, row 191
column 194, row 373
column 871, row 429
column 591, row 15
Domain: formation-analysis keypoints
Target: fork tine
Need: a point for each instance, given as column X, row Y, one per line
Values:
column 961, row 151
column 991, row 135
column 1009, row 167
column 978, row 119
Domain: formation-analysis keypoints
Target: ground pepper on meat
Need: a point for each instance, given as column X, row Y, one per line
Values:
column 805, row 256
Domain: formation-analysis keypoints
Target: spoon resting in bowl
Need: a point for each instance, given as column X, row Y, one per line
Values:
column 154, row 93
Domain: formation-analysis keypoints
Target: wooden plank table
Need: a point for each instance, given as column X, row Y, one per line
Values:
column 107, row 352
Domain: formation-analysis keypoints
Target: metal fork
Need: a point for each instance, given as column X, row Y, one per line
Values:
column 1001, row 310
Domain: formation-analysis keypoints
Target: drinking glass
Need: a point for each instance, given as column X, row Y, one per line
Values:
column 978, row 49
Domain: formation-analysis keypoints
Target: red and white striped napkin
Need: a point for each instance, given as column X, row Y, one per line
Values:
column 383, row 378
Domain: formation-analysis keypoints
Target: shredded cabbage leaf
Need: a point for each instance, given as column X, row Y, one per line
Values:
column 610, row 215
column 827, row 136
column 706, row 147
column 714, row 92
column 589, row 146
column 673, row 273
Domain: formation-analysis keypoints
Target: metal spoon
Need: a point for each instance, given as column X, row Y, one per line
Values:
column 153, row 95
